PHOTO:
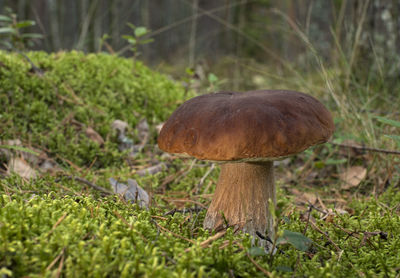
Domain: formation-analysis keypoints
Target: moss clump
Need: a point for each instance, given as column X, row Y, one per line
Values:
column 52, row 107
column 42, row 230
column 100, row 238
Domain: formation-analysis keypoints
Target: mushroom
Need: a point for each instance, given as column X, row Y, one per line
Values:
column 245, row 131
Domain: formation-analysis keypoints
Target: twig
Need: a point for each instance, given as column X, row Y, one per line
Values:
column 225, row 243
column 366, row 234
column 218, row 235
column 57, row 223
column 206, row 242
column 175, row 234
column 177, row 176
column 129, row 225
column 363, row 148
column 263, row 270
column 55, row 259
column 183, row 201
column 90, row 166
column 90, row 184
column 35, row 69
column 203, row 178
column 315, row 227
column 60, row 266
column 308, row 219
column 185, row 210
column 159, row 217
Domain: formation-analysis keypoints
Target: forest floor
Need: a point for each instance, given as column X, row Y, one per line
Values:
column 85, row 191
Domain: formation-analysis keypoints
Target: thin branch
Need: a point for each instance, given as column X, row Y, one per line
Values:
column 88, row 183
column 185, row 210
column 171, row 232
column 308, row 219
column 56, row 259
column 35, row 68
column 363, row 148
column 259, row 267
column 200, row 184
column 315, row 227
column 207, row 242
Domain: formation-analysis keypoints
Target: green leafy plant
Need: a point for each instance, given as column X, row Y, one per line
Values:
column 103, row 42
column 280, row 237
column 11, row 35
column 137, row 38
column 298, row 240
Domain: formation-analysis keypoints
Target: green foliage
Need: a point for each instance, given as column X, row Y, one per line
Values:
column 388, row 121
column 43, row 227
column 137, row 38
column 93, row 90
column 11, row 35
column 298, row 240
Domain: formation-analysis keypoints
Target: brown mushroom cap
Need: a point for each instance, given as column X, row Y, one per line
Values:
column 256, row 125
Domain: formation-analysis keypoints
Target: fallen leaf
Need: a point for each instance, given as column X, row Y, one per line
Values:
column 353, row 176
column 298, row 240
column 119, row 126
column 21, row 167
column 32, row 157
column 94, row 136
column 143, row 132
column 304, row 197
column 125, row 143
column 131, row 192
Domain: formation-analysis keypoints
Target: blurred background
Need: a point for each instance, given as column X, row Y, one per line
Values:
column 225, row 36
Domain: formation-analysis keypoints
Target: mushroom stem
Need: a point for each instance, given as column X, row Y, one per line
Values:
column 242, row 195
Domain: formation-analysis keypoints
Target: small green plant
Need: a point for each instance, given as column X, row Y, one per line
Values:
column 103, row 42
column 213, row 82
column 11, row 35
column 137, row 38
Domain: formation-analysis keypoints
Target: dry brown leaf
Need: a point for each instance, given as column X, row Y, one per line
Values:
column 353, row 176
column 350, row 151
column 21, row 167
column 143, row 130
column 94, row 136
column 304, row 197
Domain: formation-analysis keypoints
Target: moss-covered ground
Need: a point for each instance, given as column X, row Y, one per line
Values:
column 58, row 226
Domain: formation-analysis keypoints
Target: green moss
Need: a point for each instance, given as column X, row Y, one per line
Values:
column 52, row 224
column 42, row 225
column 93, row 89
